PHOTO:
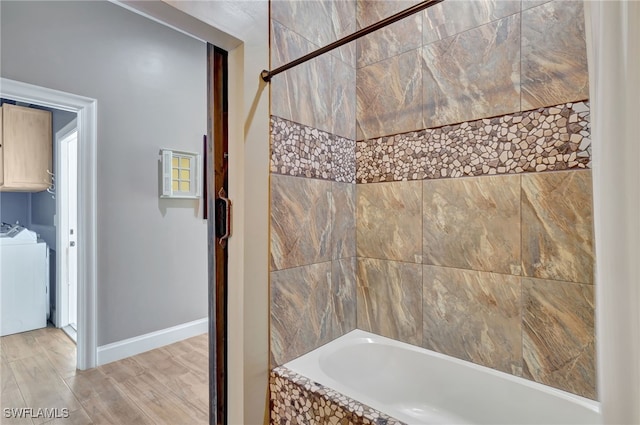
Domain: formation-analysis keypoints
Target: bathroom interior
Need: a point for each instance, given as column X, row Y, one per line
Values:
column 431, row 183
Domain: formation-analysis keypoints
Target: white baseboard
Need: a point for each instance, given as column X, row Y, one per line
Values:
column 139, row 344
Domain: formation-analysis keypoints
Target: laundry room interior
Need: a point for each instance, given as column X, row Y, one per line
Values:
column 34, row 142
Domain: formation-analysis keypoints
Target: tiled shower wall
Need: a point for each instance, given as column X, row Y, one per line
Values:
column 496, row 267
column 313, row 244
column 497, row 270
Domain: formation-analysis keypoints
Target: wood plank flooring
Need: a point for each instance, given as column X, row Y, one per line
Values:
column 169, row 385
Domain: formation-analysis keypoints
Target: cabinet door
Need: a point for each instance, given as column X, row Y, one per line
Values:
column 27, row 148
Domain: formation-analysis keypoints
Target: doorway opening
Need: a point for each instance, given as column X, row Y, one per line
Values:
column 86, row 236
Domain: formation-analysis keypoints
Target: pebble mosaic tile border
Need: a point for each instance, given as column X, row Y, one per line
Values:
column 544, row 139
column 303, row 151
column 296, row 400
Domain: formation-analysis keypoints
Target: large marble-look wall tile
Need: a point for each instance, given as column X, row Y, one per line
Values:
column 344, row 284
column 557, row 226
column 300, row 221
column 558, row 335
column 307, row 309
column 302, row 94
column 397, row 38
column 453, row 17
column 473, row 75
column 474, row 316
column 343, row 99
column 389, row 299
column 528, row 4
column 343, row 221
column 389, row 221
column 344, row 23
column 312, row 19
column 554, row 56
column 473, row 223
column 389, row 96
column 319, row 21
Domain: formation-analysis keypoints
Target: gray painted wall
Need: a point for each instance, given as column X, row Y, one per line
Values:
column 150, row 83
column 14, row 206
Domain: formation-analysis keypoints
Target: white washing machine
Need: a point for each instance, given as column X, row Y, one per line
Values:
column 24, row 280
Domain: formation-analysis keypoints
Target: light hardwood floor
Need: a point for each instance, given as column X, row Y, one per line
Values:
column 168, row 385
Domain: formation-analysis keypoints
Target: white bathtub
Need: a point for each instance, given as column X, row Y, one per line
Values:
column 419, row 386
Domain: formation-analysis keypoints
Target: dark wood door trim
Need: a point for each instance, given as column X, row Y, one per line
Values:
column 217, row 181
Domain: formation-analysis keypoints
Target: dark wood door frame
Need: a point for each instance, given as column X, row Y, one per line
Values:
column 217, row 185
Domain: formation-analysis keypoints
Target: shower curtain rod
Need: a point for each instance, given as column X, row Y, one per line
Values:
column 267, row 75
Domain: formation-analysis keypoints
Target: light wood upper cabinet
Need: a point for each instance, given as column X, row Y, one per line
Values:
column 26, row 152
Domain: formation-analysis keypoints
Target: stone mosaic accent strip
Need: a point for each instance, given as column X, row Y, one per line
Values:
column 343, row 160
column 302, row 151
column 296, row 400
column 544, row 139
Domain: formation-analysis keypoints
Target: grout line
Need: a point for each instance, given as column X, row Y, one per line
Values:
column 521, row 204
column 522, row 311
column 522, row 306
column 422, row 250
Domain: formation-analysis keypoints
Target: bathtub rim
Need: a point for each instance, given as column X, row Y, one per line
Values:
column 309, row 365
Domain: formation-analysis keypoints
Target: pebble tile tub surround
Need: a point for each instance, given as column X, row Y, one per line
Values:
column 296, row 400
